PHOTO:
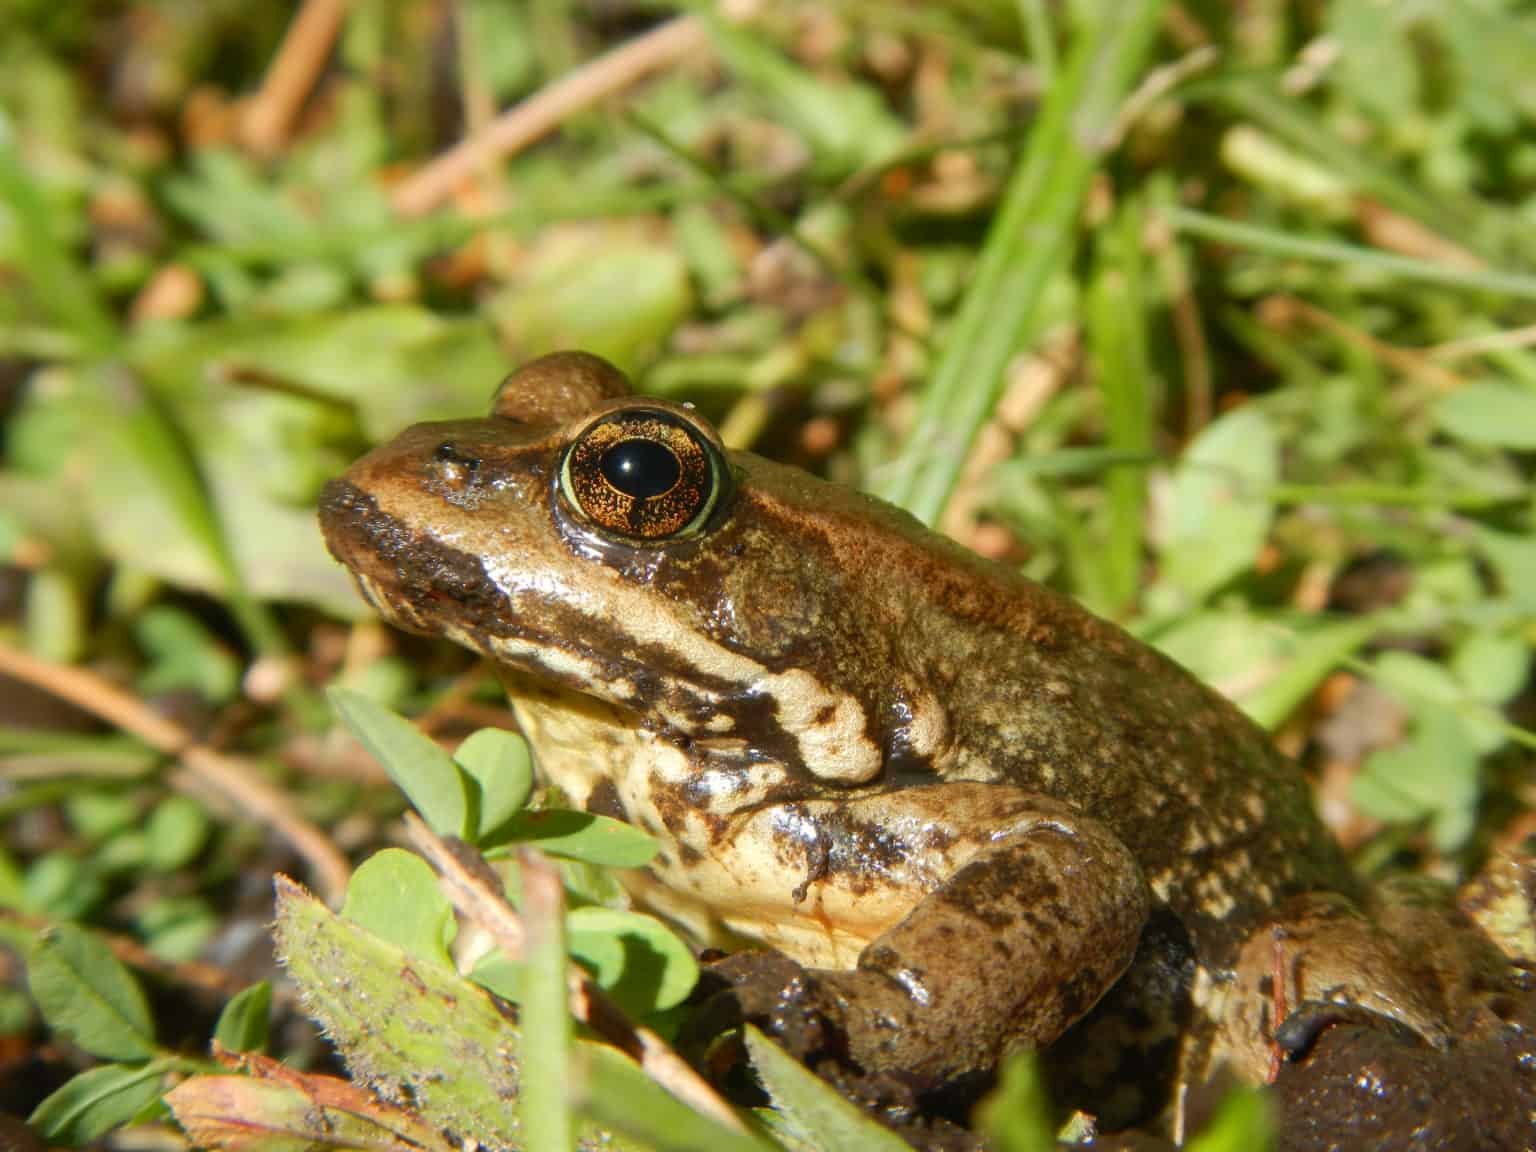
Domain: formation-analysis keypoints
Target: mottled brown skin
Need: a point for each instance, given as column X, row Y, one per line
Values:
column 961, row 801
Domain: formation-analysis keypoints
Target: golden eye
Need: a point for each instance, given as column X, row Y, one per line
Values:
column 643, row 473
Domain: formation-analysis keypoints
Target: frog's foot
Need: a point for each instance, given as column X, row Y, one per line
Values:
column 809, row 1012
column 1417, row 963
column 1300, row 1031
column 1364, row 1082
column 769, row 990
column 803, row 1011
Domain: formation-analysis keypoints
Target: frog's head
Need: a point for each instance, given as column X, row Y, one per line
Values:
column 609, row 544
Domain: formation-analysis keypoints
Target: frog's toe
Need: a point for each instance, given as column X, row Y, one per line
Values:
column 1300, row 1030
column 766, row 989
column 753, row 981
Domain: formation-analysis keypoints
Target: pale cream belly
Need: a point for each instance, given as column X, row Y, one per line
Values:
column 723, row 893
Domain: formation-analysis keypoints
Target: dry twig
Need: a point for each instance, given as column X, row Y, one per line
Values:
column 300, row 59
column 234, row 779
column 546, row 110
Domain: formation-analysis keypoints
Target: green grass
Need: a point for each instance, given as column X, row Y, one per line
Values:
column 1234, row 301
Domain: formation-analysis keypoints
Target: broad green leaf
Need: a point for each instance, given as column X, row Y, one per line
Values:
column 1419, row 682
column 1377, row 64
column 814, row 1108
column 148, row 493
column 637, row 959
column 127, row 851
column 1433, row 776
column 1309, row 657
column 62, row 887
column 1514, row 559
column 1414, row 679
column 634, row 958
column 1489, row 48
column 57, row 614
column 98, row 815
column 577, row 836
column 1492, row 667
column 845, row 124
column 86, row 994
column 11, row 891
column 1221, row 510
column 59, row 283
column 499, row 763
column 1497, row 415
column 1016, row 1115
column 184, row 657
column 608, row 293
column 175, row 833
column 400, row 1023
column 177, row 928
column 244, row 1023
column 394, row 895
column 1242, row 1124
column 426, row 774
column 17, row 1015
column 611, row 1090
column 95, row 1102
column 1226, row 646
column 499, row 973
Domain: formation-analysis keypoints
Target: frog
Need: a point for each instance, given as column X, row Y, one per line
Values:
column 932, row 811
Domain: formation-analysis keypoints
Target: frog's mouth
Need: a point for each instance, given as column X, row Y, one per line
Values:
column 413, row 580
column 420, row 584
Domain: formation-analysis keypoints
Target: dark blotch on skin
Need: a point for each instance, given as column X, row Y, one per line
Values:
column 604, row 800
column 995, row 891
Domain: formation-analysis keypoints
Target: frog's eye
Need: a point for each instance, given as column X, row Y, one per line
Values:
column 643, row 473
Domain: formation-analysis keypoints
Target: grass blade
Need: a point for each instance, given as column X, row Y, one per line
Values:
column 1276, row 243
column 62, row 286
column 1027, row 246
column 544, row 1106
column 1117, row 337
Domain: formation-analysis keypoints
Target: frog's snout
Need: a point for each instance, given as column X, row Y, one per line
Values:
column 371, row 544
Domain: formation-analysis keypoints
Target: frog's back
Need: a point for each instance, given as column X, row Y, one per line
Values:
column 1036, row 691
column 1069, row 704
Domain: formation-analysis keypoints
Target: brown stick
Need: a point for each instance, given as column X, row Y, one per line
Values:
column 476, row 892
column 544, row 111
column 291, row 77
column 236, row 780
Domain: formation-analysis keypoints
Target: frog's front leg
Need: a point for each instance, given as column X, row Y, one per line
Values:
column 993, row 917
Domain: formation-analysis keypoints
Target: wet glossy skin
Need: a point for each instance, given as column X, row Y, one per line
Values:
column 962, row 801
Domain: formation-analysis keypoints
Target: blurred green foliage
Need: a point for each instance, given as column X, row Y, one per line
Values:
column 1216, row 316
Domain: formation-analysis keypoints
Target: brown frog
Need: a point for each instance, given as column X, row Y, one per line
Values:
column 967, row 813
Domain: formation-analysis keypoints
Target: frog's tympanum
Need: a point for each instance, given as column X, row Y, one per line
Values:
column 964, row 812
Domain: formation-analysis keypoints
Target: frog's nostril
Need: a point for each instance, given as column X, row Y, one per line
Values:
column 452, row 467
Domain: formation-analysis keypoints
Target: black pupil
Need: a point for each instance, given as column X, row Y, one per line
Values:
column 641, row 468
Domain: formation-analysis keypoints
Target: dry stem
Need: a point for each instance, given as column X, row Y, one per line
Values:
column 546, row 110
column 300, row 59
column 236, row 780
